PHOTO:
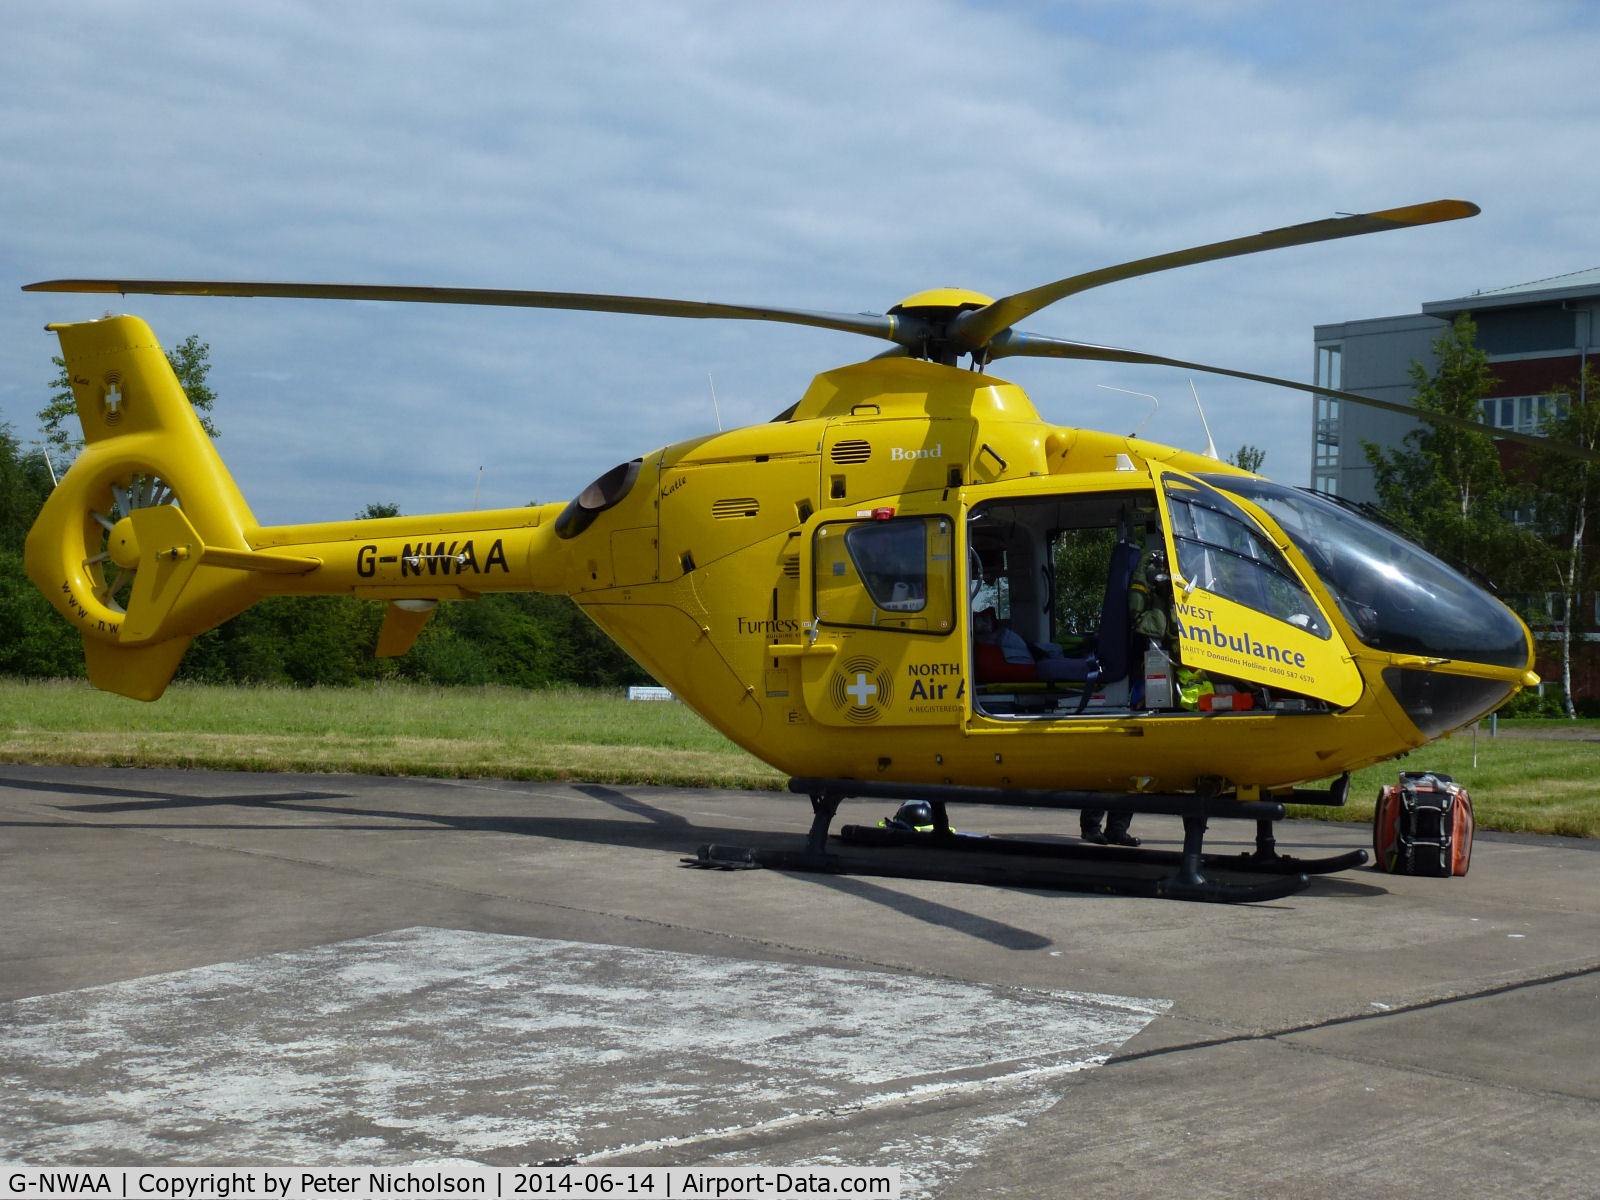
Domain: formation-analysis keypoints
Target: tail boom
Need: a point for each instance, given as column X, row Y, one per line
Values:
column 146, row 541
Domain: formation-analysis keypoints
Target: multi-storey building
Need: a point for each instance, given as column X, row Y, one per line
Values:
column 1538, row 336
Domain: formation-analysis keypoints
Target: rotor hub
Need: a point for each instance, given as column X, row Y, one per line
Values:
column 122, row 545
column 943, row 299
column 936, row 310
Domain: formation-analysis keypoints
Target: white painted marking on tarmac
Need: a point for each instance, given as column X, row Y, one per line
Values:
column 434, row 1043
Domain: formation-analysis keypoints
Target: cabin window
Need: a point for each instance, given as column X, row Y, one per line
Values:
column 606, row 492
column 1221, row 550
column 894, row 574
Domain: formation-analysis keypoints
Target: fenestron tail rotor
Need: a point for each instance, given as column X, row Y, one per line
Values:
column 111, row 559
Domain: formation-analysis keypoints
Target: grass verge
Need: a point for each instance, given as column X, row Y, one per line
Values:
column 390, row 729
column 1536, row 777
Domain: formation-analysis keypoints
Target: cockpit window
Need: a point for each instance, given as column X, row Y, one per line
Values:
column 1221, row 550
column 1396, row 596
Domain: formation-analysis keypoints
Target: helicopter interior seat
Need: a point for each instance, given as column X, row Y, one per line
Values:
column 1112, row 651
column 1000, row 654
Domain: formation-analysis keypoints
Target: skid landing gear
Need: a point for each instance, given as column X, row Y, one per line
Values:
column 943, row 854
column 1255, row 863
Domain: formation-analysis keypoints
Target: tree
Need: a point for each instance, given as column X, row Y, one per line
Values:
column 1563, row 505
column 24, row 485
column 378, row 510
column 1248, row 458
column 1082, row 563
column 35, row 640
column 191, row 363
column 1447, row 485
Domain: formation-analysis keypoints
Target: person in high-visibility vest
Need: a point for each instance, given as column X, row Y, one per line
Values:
column 1191, row 686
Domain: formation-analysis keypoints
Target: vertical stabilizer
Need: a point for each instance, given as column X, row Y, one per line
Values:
column 148, row 473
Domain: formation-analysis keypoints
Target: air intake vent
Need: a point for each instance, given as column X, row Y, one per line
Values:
column 855, row 450
column 791, row 566
column 744, row 506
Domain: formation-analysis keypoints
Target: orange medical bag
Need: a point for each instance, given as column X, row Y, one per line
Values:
column 1423, row 826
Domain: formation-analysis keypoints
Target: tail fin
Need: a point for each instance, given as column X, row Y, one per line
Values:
column 142, row 544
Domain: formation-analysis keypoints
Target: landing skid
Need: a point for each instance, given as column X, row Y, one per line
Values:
column 1105, row 870
column 1254, row 862
column 1111, row 883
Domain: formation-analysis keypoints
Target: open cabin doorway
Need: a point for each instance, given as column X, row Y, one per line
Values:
column 1076, row 609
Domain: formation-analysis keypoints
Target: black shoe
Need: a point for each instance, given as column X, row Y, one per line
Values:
column 1121, row 839
column 1094, row 836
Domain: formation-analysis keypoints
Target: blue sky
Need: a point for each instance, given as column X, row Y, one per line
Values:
column 823, row 155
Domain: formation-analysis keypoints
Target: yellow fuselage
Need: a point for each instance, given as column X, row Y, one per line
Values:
column 702, row 561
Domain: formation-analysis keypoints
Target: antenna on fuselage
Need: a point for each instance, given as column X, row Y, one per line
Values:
column 715, row 407
column 1211, row 447
column 1154, row 404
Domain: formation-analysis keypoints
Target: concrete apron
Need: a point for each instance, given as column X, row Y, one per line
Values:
column 214, row 968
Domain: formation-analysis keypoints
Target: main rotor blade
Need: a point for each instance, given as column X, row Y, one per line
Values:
column 904, row 330
column 1027, row 345
column 979, row 326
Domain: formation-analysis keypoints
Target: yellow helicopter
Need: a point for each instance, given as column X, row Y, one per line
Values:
column 906, row 585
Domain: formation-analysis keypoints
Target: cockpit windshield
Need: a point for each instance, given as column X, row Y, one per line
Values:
column 1396, row 596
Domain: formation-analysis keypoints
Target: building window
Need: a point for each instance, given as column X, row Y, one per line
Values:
column 1327, row 442
column 1330, row 373
column 1520, row 414
column 1330, row 366
column 1542, row 610
column 1326, row 432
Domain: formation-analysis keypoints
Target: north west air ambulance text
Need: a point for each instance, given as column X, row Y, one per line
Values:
column 1198, row 627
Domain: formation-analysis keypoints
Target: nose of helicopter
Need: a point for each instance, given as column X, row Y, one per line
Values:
column 1431, row 611
column 1445, row 616
column 1434, row 612
column 1436, row 703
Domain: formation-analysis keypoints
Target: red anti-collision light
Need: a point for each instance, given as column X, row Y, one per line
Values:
column 882, row 514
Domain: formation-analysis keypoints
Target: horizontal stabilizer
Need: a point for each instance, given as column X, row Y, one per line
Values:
column 169, row 553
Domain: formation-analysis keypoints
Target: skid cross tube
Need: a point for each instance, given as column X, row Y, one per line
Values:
column 823, row 807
